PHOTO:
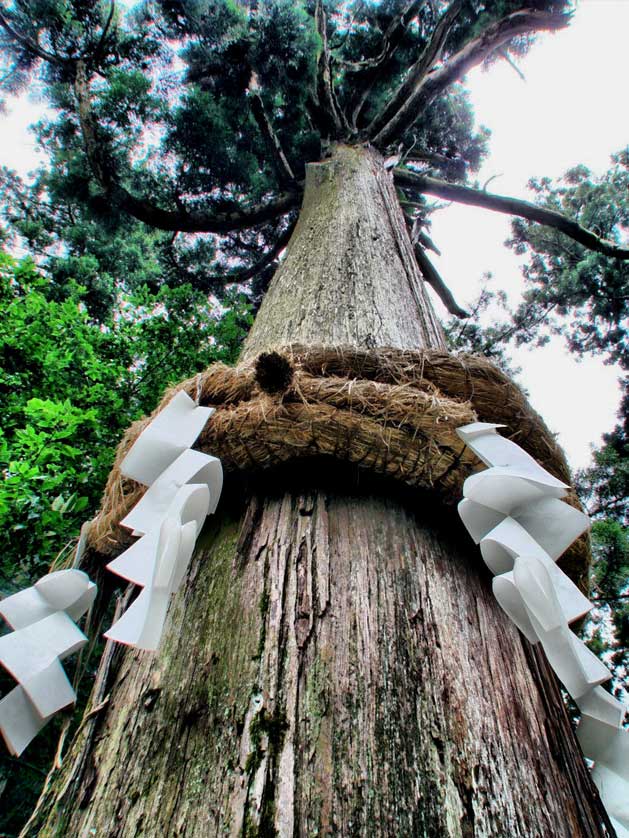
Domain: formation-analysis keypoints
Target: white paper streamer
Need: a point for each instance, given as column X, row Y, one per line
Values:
column 172, row 431
column 184, row 487
column 189, row 467
column 514, row 512
column 158, row 562
column 44, row 634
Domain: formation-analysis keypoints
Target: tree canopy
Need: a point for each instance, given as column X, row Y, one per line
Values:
column 137, row 94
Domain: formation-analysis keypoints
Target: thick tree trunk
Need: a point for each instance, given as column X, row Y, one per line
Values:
column 335, row 662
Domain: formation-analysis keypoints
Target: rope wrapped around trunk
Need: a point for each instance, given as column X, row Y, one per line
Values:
column 393, row 412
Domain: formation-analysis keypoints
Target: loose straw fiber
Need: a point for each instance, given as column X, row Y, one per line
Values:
column 390, row 411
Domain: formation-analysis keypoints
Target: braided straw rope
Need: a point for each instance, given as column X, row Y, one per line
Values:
column 391, row 411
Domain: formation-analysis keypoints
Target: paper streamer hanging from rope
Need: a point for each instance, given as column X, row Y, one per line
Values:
column 514, row 511
column 44, row 633
column 184, row 487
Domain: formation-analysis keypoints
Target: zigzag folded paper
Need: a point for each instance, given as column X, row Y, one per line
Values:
column 514, row 511
column 606, row 743
column 44, row 634
column 189, row 467
column 170, row 433
column 184, row 487
column 158, row 562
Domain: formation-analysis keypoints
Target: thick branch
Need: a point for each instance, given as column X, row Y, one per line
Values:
column 185, row 221
column 510, row 206
column 424, row 85
column 431, row 275
column 29, row 45
column 368, row 71
column 282, row 166
column 430, row 55
column 325, row 90
column 101, row 42
column 182, row 220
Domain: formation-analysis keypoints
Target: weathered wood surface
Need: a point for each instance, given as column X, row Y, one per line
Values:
column 349, row 277
column 335, row 663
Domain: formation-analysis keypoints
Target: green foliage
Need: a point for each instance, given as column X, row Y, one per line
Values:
column 69, row 386
column 607, row 630
column 473, row 336
column 165, row 76
column 571, row 291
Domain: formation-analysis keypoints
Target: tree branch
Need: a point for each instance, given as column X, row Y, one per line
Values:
column 101, row 41
column 370, row 68
column 189, row 221
column 282, row 166
column 431, row 275
column 510, row 206
column 326, row 99
column 264, row 261
column 504, row 53
column 427, row 242
column 423, row 84
column 182, row 220
column 28, row 44
column 430, row 55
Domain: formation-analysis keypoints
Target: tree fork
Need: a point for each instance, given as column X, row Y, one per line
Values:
column 335, row 662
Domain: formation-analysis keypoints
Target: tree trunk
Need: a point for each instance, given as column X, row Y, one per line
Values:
column 335, row 663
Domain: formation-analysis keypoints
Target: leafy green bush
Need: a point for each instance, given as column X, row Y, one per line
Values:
column 70, row 385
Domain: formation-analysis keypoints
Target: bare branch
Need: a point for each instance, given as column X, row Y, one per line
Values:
column 510, row 206
column 29, row 45
column 423, row 84
column 182, row 220
column 326, row 98
column 282, row 166
column 431, row 275
column 435, row 159
column 430, row 55
column 427, row 242
column 504, row 53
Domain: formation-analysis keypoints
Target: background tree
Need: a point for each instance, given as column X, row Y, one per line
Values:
column 277, row 87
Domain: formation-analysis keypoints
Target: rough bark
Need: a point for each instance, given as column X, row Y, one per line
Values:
column 349, row 275
column 335, row 663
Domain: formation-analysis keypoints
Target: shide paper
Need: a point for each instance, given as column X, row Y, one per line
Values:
column 514, row 511
column 44, row 633
column 184, row 486
column 172, row 431
column 158, row 562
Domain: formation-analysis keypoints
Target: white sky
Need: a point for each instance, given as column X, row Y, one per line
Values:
column 571, row 109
